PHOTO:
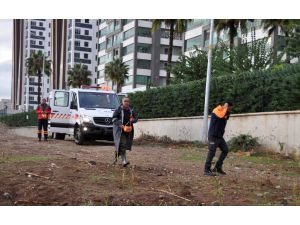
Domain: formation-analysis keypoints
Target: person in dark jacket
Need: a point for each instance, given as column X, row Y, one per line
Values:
column 123, row 119
column 218, row 122
column 43, row 112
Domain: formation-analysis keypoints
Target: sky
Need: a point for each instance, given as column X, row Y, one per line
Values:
column 6, row 32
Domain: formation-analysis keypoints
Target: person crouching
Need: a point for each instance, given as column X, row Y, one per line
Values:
column 123, row 132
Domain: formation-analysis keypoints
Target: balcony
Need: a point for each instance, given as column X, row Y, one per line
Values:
column 37, row 28
column 83, row 25
column 84, row 61
column 37, row 37
column 36, row 46
column 83, row 37
column 83, row 49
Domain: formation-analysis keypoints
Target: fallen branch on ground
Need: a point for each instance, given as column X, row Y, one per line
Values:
column 36, row 175
column 174, row 195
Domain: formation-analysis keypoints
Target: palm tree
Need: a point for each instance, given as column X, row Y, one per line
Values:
column 79, row 75
column 117, row 71
column 35, row 66
column 232, row 26
column 285, row 25
column 176, row 26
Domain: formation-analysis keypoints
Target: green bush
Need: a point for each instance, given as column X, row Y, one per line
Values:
column 20, row 119
column 243, row 142
column 276, row 89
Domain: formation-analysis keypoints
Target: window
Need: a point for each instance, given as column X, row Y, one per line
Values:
column 41, row 24
column 48, row 81
column 190, row 43
column 144, row 80
column 128, row 49
column 47, row 90
column 61, row 98
column 166, row 50
column 32, row 42
column 31, row 89
column 102, row 46
column 102, row 59
column 86, row 44
column 31, row 52
column 109, row 42
column 86, row 32
column 129, row 33
column 127, row 21
column 144, row 32
column 49, row 52
column 49, row 34
column 31, row 79
column 129, row 63
column 31, row 98
column 49, row 25
column 145, row 48
column 116, row 53
column 41, row 33
column 40, row 43
column 33, row 32
column 86, row 56
column 86, row 21
column 77, row 43
column 74, row 100
column 118, row 38
column 77, row 20
column 143, row 64
column 49, row 44
column 76, row 55
column 77, row 31
column 103, row 32
column 33, row 23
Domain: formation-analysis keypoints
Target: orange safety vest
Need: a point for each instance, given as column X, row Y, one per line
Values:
column 43, row 112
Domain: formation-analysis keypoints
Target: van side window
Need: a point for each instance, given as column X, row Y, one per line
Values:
column 74, row 99
column 61, row 98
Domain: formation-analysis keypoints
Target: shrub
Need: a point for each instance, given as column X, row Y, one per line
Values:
column 243, row 142
column 259, row 91
column 20, row 119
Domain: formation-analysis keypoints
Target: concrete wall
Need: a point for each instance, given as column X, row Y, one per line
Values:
column 271, row 128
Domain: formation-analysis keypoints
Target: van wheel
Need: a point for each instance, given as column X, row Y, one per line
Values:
column 78, row 136
column 59, row 136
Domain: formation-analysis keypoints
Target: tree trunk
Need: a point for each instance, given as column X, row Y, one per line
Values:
column 39, row 87
column 119, row 87
column 288, row 58
column 170, row 50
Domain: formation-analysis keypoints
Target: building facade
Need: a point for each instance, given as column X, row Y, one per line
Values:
column 145, row 53
column 82, row 45
column 29, row 36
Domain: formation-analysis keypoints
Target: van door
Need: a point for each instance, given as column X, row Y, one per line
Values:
column 73, row 110
column 59, row 122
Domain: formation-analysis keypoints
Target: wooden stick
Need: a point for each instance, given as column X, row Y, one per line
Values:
column 36, row 175
column 174, row 195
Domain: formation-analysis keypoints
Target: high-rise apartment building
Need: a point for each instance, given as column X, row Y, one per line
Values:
column 145, row 53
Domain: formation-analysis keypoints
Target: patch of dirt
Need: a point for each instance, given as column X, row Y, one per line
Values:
column 61, row 173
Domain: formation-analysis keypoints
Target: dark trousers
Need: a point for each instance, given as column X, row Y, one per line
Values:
column 213, row 144
column 43, row 124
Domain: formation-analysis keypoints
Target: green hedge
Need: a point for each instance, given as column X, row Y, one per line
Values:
column 19, row 119
column 275, row 89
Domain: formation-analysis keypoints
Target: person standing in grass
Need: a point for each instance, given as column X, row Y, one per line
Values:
column 43, row 112
column 218, row 122
column 123, row 119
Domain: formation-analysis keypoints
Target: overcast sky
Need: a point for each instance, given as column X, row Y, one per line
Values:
column 5, row 57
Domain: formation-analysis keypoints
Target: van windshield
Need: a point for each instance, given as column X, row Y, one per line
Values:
column 98, row 100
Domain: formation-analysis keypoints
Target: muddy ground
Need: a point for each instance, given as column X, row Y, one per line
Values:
column 60, row 173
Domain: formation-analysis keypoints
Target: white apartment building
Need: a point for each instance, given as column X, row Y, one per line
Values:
column 37, row 36
column 82, row 45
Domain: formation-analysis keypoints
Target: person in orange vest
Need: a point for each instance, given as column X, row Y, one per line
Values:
column 217, row 125
column 43, row 112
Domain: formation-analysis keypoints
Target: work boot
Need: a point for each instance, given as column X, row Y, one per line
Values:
column 209, row 173
column 124, row 160
column 219, row 170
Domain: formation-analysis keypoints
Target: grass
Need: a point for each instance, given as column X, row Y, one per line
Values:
column 23, row 159
column 267, row 160
column 191, row 154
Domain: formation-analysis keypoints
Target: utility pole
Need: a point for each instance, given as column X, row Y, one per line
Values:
column 207, row 87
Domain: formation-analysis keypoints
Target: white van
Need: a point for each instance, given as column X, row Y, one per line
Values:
column 84, row 113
